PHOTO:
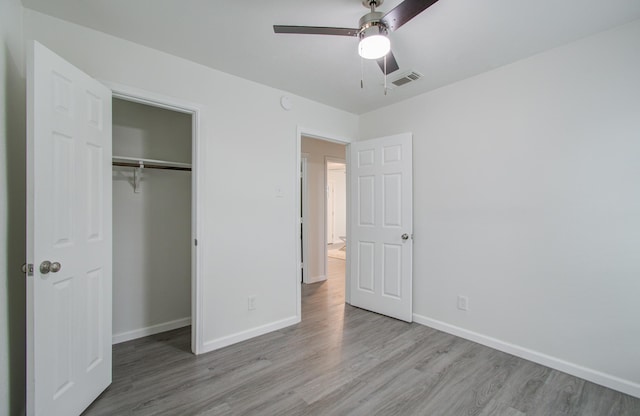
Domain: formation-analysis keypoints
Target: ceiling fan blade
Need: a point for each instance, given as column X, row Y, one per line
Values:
column 315, row 30
column 405, row 11
column 392, row 64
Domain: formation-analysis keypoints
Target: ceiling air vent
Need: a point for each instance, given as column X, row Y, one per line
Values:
column 406, row 78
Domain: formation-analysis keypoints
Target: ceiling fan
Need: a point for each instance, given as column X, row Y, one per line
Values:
column 373, row 30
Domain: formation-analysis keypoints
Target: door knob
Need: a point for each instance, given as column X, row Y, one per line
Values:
column 405, row 236
column 46, row 267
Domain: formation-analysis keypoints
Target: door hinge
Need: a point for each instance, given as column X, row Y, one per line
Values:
column 195, row 241
column 27, row 268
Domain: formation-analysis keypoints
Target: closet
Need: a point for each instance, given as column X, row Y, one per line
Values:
column 152, row 197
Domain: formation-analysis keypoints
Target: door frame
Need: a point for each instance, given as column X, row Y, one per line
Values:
column 128, row 93
column 304, row 215
column 327, row 137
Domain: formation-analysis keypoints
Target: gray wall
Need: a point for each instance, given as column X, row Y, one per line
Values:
column 247, row 182
column 526, row 200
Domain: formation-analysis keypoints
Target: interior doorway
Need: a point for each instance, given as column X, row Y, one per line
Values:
column 323, row 209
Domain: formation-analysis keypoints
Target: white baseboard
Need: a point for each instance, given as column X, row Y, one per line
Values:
column 150, row 330
column 607, row 380
column 249, row 333
column 315, row 279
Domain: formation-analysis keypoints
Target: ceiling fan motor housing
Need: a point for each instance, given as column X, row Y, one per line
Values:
column 372, row 24
column 374, row 42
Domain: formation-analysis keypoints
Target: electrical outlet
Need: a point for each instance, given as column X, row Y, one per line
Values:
column 251, row 303
column 463, row 303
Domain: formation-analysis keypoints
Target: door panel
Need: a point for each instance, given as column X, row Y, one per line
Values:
column 366, row 266
column 392, row 270
column 381, row 262
column 69, row 222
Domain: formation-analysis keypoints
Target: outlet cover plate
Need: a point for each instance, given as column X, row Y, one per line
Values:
column 463, row 303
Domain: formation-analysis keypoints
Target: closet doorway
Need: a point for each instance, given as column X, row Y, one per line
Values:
column 154, row 194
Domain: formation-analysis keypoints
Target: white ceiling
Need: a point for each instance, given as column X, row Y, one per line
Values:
column 452, row 40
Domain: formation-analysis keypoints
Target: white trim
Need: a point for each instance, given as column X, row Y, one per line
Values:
column 140, row 96
column 315, row 134
column 198, row 235
column 303, row 131
column 347, row 269
column 150, row 330
column 248, row 334
column 607, row 380
column 305, row 214
column 296, row 200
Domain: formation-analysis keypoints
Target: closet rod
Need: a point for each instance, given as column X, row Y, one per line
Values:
column 151, row 166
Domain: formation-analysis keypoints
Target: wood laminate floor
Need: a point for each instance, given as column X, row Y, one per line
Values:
column 343, row 361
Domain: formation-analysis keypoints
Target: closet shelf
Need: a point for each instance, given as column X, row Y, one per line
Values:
column 137, row 162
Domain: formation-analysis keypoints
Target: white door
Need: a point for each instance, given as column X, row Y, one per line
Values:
column 380, row 238
column 69, row 225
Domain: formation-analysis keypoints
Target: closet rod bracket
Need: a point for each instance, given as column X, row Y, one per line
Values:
column 137, row 177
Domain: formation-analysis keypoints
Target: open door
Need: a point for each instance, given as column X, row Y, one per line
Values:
column 380, row 241
column 68, row 236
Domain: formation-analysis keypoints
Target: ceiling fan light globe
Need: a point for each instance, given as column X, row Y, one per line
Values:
column 374, row 47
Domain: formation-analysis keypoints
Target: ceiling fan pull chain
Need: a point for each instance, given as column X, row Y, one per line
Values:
column 385, row 75
column 361, row 73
